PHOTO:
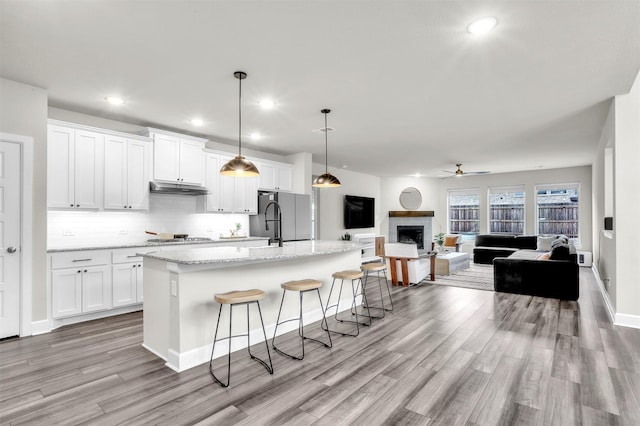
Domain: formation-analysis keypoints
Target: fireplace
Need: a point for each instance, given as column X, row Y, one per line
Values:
column 411, row 234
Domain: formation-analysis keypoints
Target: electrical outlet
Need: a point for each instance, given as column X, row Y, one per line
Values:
column 68, row 233
column 123, row 232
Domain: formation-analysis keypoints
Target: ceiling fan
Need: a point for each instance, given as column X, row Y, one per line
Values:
column 459, row 172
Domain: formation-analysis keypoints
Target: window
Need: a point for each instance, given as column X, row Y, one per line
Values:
column 506, row 210
column 558, row 210
column 464, row 207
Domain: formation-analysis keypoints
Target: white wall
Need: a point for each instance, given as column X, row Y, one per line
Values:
column 390, row 190
column 23, row 111
column 604, row 248
column 529, row 180
column 331, row 201
column 627, row 204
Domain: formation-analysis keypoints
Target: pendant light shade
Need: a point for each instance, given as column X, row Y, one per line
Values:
column 239, row 166
column 326, row 180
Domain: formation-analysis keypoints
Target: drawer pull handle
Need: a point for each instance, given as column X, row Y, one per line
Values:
column 81, row 260
column 133, row 255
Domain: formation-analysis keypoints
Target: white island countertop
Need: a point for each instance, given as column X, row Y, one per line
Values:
column 215, row 257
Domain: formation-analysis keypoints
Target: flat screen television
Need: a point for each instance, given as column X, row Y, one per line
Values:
column 359, row 212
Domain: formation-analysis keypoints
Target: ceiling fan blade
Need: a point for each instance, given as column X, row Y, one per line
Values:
column 449, row 171
column 476, row 173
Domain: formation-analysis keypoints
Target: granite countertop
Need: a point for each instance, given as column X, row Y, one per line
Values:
column 108, row 246
column 235, row 255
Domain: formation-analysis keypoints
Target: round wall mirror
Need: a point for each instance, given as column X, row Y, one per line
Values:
column 410, row 198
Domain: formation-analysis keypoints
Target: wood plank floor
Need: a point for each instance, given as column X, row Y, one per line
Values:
column 446, row 355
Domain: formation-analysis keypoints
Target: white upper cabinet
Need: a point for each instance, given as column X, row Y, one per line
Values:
column 275, row 176
column 177, row 158
column 228, row 194
column 127, row 173
column 74, row 168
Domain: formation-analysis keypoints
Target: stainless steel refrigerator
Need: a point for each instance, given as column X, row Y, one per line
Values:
column 296, row 216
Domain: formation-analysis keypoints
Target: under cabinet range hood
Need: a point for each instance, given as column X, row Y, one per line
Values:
column 176, row 188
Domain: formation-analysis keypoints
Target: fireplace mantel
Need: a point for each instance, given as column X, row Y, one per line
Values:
column 411, row 213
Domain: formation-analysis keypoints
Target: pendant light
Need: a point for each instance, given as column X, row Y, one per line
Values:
column 326, row 180
column 239, row 166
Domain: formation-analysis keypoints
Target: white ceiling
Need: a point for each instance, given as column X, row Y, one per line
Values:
column 410, row 90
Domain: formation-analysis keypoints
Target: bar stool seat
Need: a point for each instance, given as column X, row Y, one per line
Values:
column 374, row 267
column 231, row 299
column 347, row 275
column 244, row 296
column 353, row 276
column 377, row 268
column 301, row 286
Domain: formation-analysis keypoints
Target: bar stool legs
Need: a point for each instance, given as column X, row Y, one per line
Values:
column 302, row 286
column 238, row 298
column 368, row 268
column 354, row 276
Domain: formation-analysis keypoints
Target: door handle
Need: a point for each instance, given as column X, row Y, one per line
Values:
column 11, row 249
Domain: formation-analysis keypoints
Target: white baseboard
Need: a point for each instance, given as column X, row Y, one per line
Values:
column 59, row 322
column 40, row 327
column 604, row 293
column 627, row 320
column 624, row 320
column 181, row 361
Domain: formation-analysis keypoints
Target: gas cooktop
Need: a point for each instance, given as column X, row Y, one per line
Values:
column 179, row 240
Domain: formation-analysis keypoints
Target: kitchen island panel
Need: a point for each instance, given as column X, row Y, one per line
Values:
column 184, row 336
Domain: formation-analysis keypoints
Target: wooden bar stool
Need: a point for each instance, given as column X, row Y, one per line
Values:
column 233, row 298
column 301, row 286
column 356, row 283
column 377, row 267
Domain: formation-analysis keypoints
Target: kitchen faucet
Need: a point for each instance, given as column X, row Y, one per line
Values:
column 278, row 231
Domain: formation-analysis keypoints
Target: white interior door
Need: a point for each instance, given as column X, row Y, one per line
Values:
column 10, row 164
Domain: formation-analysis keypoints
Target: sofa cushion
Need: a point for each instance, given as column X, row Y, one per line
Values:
column 544, row 243
column 544, row 256
column 485, row 240
column 561, row 252
column 560, row 239
column 525, row 242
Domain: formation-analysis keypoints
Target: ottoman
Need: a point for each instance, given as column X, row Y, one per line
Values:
column 451, row 262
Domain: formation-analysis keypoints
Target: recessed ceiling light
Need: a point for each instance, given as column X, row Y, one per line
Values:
column 266, row 103
column 344, row 166
column 197, row 121
column 482, row 25
column 255, row 136
column 416, row 175
column 114, row 100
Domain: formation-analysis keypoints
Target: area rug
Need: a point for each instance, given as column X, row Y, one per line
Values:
column 476, row 276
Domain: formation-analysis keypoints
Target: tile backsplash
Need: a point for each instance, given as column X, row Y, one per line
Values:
column 167, row 213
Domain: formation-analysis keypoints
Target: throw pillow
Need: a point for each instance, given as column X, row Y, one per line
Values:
column 560, row 239
column 544, row 243
column 450, row 241
column 560, row 252
column 544, row 256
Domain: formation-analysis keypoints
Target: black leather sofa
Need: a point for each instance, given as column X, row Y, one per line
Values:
column 488, row 247
column 518, row 269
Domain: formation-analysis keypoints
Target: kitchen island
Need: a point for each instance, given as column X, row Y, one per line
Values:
column 180, row 313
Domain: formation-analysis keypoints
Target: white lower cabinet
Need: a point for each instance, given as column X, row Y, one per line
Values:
column 84, row 282
column 79, row 290
column 127, row 279
column 96, row 288
column 80, row 282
